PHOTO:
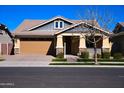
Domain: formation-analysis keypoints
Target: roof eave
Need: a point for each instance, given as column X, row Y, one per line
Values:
column 34, row 36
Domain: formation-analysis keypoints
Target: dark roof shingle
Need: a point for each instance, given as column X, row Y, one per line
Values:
column 122, row 23
column 27, row 24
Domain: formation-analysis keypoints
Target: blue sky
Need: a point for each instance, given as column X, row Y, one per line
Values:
column 12, row 15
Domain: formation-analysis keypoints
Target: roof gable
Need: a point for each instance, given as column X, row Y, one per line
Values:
column 4, row 28
column 119, row 27
column 46, row 22
column 28, row 24
column 84, row 23
column 39, row 26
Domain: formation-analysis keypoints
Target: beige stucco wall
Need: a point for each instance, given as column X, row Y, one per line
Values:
column 17, row 43
column 17, row 46
column 59, row 43
column 82, row 43
column 106, row 43
column 70, row 34
column 110, row 46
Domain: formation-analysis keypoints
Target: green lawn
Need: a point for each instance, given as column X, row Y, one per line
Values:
column 2, row 59
column 59, row 59
column 86, row 63
column 81, row 61
column 100, row 60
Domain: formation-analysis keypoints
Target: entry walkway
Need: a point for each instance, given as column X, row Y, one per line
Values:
column 72, row 58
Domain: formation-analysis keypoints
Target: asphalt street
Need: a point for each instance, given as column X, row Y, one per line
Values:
column 61, row 77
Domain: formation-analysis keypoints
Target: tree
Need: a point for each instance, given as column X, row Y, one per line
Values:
column 94, row 29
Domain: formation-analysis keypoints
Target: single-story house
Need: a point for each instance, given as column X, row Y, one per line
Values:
column 6, row 41
column 118, row 39
column 48, row 37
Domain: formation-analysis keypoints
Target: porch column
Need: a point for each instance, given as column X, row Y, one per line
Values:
column 59, row 45
column 17, row 46
column 0, row 49
column 106, row 45
column 82, row 44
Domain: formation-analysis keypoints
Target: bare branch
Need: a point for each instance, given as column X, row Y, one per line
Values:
column 94, row 18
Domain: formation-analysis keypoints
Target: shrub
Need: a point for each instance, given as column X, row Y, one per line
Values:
column 60, row 55
column 106, row 55
column 1, row 58
column 84, row 60
column 117, row 56
column 100, row 60
column 59, row 59
column 84, row 54
column 90, row 63
column 98, row 56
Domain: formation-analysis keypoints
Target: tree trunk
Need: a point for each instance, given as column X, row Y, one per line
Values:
column 95, row 52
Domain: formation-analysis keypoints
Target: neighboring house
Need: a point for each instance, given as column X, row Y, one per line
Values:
column 118, row 39
column 6, row 41
column 47, row 37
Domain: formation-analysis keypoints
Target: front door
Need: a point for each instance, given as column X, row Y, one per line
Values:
column 75, row 45
column 72, row 44
column 67, row 40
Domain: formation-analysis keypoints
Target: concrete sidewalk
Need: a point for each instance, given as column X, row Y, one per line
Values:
column 24, row 63
column 46, row 64
column 26, row 58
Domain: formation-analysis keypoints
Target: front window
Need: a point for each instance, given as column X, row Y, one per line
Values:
column 58, row 24
column 89, row 41
column 61, row 24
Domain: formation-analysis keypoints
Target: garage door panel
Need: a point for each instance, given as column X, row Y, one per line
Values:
column 35, row 47
column 3, row 49
column 10, row 48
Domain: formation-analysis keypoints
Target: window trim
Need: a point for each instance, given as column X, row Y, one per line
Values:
column 62, row 24
column 58, row 25
column 55, row 24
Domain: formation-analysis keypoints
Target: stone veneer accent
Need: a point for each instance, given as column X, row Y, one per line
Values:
column 59, row 50
column 82, row 49
column 105, row 49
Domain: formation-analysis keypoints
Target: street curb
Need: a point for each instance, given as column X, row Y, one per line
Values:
column 68, row 66
column 46, row 64
column 87, row 66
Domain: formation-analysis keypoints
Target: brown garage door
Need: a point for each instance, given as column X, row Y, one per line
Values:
column 6, row 49
column 35, row 46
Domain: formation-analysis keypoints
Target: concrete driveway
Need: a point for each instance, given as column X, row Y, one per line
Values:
column 28, row 58
column 26, row 61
